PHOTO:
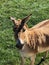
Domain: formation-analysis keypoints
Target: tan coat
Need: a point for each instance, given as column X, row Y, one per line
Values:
column 35, row 39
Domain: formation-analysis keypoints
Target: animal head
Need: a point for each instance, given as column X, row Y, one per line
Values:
column 19, row 29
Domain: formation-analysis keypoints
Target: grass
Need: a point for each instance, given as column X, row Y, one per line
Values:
column 9, row 55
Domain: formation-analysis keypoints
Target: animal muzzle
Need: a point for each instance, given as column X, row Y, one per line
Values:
column 19, row 45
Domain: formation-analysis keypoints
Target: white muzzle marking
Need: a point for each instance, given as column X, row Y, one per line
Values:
column 21, row 41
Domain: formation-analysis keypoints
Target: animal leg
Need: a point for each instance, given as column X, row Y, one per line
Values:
column 32, row 60
column 44, row 57
column 22, row 61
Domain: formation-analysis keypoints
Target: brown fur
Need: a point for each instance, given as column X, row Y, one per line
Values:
column 36, row 40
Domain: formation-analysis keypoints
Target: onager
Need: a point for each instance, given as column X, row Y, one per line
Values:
column 31, row 41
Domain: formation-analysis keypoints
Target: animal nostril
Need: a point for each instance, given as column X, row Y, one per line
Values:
column 18, row 41
column 19, row 45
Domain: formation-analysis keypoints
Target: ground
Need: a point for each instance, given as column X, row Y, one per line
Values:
column 9, row 54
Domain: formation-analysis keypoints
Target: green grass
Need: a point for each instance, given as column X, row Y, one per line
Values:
column 9, row 55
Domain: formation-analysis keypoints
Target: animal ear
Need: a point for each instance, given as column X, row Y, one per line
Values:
column 23, row 23
column 14, row 20
column 26, row 18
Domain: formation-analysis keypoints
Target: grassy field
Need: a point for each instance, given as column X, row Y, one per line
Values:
column 9, row 55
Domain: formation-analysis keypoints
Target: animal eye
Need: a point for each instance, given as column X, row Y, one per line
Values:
column 15, row 28
column 23, row 30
